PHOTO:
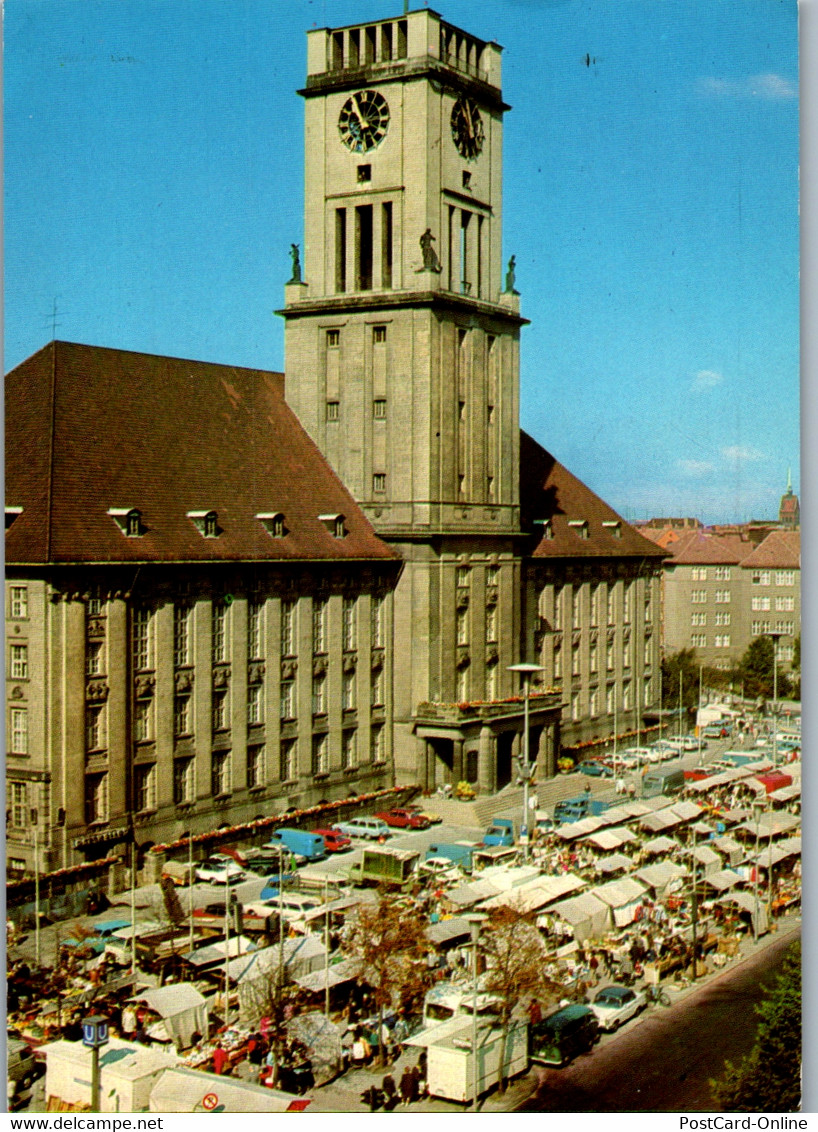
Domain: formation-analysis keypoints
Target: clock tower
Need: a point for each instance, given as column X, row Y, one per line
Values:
column 402, row 340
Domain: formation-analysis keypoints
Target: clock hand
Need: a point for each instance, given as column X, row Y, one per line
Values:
column 467, row 115
column 362, row 118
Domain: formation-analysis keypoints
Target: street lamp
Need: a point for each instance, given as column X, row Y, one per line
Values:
column 526, row 768
column 758, row 806
column 774, row 637
column 475, row 919
column 94, row 1036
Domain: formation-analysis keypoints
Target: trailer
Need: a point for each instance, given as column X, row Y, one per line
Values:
column 450, row 1064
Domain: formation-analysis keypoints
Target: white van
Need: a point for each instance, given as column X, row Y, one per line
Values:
column 446, row 999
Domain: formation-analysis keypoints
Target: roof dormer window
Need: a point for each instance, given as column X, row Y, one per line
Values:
column 547, row 528
column 11, row 515
column 334, row 524
column 580, row 526
column 614, row 526
column 206, row 523
column 273, row 523
column 129, row 521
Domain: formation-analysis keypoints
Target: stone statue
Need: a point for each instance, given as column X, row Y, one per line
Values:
column 430, row 260
column 511, row 277
column 294, row 254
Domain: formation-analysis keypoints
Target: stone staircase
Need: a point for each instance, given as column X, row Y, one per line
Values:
column 508, row 802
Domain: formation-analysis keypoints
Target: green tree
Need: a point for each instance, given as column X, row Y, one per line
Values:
column 682, row 663
column 756, row 669
column 796, row 668
column 769, row 1077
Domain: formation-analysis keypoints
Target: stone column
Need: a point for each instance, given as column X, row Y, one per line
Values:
column 120, row 743
column 458, row 769
column 73, row 695
column 487, row 761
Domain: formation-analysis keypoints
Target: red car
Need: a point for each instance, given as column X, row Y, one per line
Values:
column 334, row 842
column 403, row 819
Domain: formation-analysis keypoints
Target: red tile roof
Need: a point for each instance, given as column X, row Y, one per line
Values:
column 779, row 550
column 549, row 492
column 89, row 428
column 704, row 547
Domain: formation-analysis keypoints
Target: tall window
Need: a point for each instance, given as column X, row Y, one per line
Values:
column 145, row 787
column 462, row 684
column 593, row 702
column 288, row 699
column 782, row 578
column 762, row 578
column 94, row 727
column 557, row 661
column 255, row 703
column 183, row 780
column 610, row 698
column 627, row 602
column 348, row 690
column 492, row 575
column 611, row 604
column 722, row 573
column 626, row 653
column 93, row 658
column 18, row 602
column 18, row 805
column 220, row 773
column 288, row 770
column 558, row 593
column 760, row 603
column 288, row 628
column 626, row 695
column 181, row 715
column 143, row 720
column 319, row 695
column 722, row 597
column 575, row 660
column 254, row 614
column 319, row 625
column 320, row 754
column 219, row 709
column 463, row 575
column 377, row 688
column 575, row 706
column 462, row 626
column 378, row 740
column 593, row 656
column 377, row 619
column 256, row 766
column 219, row 626
column 595, row 605
column 609, row 655
column 491, row 681
column 18, row 731
column 575, row 608
column 491, row 624
column 646, row 696
column 349, row 749
column 94, row 607
column 698, row 619
column 349, row 614
column 698, row 597
column 18, row 657
column 141, row 639
column 96, row 798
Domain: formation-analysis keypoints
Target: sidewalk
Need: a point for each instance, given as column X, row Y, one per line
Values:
column 344, row 1093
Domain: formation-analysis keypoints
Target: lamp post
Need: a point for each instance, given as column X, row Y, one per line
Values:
column 698, row 716
column 526, row 769
column 94, row 1036
column 774, row 637
column 758, row 806
column 475, row 919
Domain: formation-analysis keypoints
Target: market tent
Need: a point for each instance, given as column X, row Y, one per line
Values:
column 687, row 811
column 342, row 972
column 183, row 1011
column 723, row 879
column 187, row 1090
column 614, row 863
column 774, row 854
column 771, row 824
column 588, row 917
column 748, row 903
column 571, row 830
column 611, row 838
column 539, row 892
column 658, row 845
column 733, row 850
column 702, row 829
column 323, row 1040
column 663, row 819
column 660, row 875
column 447, row 931
column 623, row 896
column 787, row 793
column 467, row 895
column 214, row 953
column 707, row 857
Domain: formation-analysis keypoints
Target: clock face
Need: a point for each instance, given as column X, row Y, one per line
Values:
column 363, row 121
column 467, row 127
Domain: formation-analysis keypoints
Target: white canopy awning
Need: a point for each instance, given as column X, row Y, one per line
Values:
column 614, row 863
column 611, row 838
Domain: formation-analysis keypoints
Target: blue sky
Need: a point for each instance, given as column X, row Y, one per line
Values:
column 153, row 185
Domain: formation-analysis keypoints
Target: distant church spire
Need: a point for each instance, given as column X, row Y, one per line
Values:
column 789, row 512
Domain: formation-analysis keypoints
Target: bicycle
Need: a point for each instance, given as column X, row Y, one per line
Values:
column 657, row 994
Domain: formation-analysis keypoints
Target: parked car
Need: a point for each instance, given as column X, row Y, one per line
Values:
column 563, row 1035
column 334, row 842
column 432, row 819
column 219, row 870
column 615, row 1004
column 403, row 819
column 268, row 859
column 370, row 828
column 717, row 731
column 439, row 869
column 596, row 768
column 22, row 1067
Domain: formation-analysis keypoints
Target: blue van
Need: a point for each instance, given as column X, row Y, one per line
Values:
column 310, row 846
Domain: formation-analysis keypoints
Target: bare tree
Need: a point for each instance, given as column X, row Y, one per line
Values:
column 270, row 995
column 515, row 967
column 391, row 944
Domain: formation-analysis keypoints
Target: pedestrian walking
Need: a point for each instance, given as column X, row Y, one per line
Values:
column 407, row 1085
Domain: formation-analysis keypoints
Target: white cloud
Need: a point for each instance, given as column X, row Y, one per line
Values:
column 694, row 467
column 707, row 379
column 740, row 454
column 772, row 87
